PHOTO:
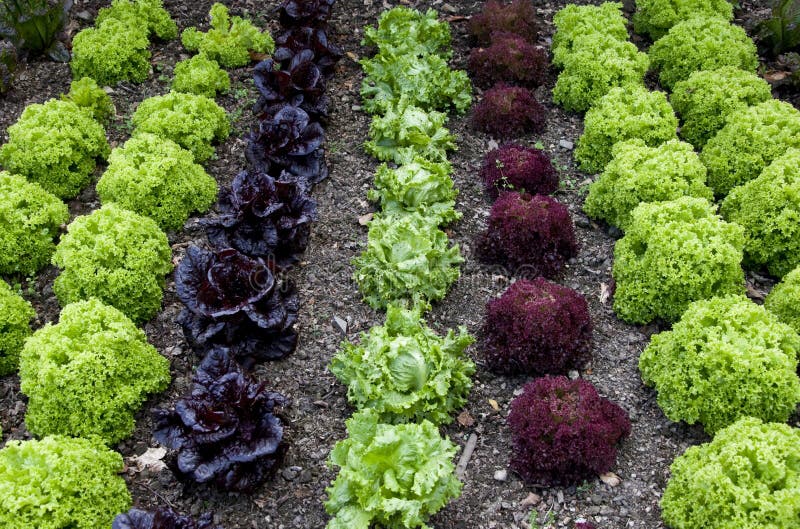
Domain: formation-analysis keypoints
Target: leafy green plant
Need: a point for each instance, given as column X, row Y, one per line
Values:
column 674, row 253
column 60, row 482
column 708, row 97
column 623, row 114
column 747, row 477
column 656, row 17
column 230, row 39
column 394, row 476
column 88, row 374
column 56, row 145
column 202, row 76
column 737, row 360
column 701, row 43
column 574, row 21
column 15, row 317
column 30, row 218
column 407, row 260
column 750, row 140
column 404, row 371
column 141, row 15
column 8, row 65
column 405, row 31
column 406, row 132
column 86, row 94
column 418, row 186
column 157, row 178
column 783, row 300
column 781, row 32
column 117, row 256
column 110, row 53
column 194, row 122
column 638, row 173
column 35, row 25
column 768, row 209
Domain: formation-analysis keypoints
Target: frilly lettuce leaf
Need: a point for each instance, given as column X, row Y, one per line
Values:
column 406, row 131
column 406, row 31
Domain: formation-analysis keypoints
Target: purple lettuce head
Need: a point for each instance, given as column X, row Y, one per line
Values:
column 161, row 518
column 288, row 140
column 263, row 217
column 537, row 327
column 518, row 17
column 225, row 432
column 509, row 111
column 235, row 301
column 533, row 235
column 300, row 39
column 508, row 59
column 563, row 432
column 307, row 13
column 300, row 83
column 514, row 167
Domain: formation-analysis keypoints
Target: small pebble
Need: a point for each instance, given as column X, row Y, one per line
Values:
column 564, row 144
column 501, row 475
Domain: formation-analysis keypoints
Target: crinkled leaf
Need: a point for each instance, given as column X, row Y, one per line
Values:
column 299, row 39
column 305, row 12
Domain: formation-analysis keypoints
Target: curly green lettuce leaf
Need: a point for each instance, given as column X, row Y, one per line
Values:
column 406, row 131
column 406, row 31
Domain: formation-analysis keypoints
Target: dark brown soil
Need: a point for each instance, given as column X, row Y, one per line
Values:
column 318, row 410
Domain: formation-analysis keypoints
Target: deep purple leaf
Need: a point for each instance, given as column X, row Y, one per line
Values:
column 305, row 12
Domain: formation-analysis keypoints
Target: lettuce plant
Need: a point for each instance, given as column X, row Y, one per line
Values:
column 656, row 17
column 60, row 482
column 596, row 64
column 8, row 65
column 562, row 431
column 201, row 76
column 574, row 21
column 15, row 327
column 147, row 15
column 162, row 518
column 86, row 94
column 263, row 217
column 30, row 218
column 225, row 431
column 509, row 111
column 674, row 253
column 117, row 256
column 301, row 82
column 701, row 43
column 782, row 301
column 508, row 59
column 751, row 138
column 530, row 234
column 288, row 140
column 537, row 327
column 299, row 39
column 234, row 301
column 406, row 132
column 89, row 374
column 310, row 13
column 407, row 259
column 768, row 209
column 110, row 53
column 515, row 167
column 56, row 145
column 405, row 31
column 419, row 186
column 194, row 122
column 424, row 81
column 230, row 39
column 517, row 17
column 748, row 476
column 623, row 114
column 157, row 178
column 394, row 476
column 404, row 371
column 36, row 25
column 707, row 98
column 737, row 360
column 638, row 173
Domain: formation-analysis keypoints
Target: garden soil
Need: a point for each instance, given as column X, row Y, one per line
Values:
column 332, row 309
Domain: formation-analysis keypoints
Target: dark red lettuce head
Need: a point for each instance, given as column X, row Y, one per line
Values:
column 235, row 301
column 532, row 235
column 563, row 432
column 509, row 111
column 263, row 217
column 286, row 139
column 509, row 59
column 307, row 13
column 300, row 39
column 519, row 17
column 161, row 518
column 300, row 83
column 537, row 327
column 515, row 167
column 225, row 432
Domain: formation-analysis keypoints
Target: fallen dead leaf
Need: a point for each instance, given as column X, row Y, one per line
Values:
column 364, row 219
column 775, row 76
column 258, row 56
column 151, row 460
column 465, row 419
column 605, row 293
column 531, row 499
column 610, row 479
column 495, row 406
column 352, row 56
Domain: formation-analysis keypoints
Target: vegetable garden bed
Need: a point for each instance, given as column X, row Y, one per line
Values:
column 332, row 309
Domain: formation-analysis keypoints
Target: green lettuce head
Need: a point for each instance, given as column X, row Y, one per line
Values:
column 405, row 132
column 784, row 300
